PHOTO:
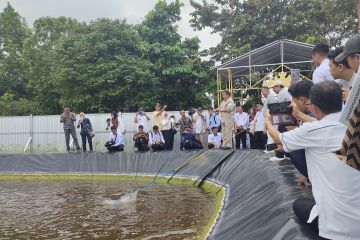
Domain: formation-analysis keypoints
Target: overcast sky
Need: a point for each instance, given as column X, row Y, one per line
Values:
column 87, row 10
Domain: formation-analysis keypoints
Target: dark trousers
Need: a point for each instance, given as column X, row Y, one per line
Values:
column 260, row 140
column 142, row 144
column 281, row 128
column 87, row 136
column 169, row 139
column 72, row 132
column 252, row 140
column 299, row 160
column 193, row 145
column 240, row 137
column 302, row 208
column 112, row 148
column 158, row 147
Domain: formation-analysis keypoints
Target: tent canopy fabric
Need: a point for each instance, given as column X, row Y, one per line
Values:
column 282, row 51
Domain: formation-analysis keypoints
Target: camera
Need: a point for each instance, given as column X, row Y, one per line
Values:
column 281, row 113
column 108, row 123
column 191, row 111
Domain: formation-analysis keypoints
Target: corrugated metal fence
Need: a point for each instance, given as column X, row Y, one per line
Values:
column 47, row 133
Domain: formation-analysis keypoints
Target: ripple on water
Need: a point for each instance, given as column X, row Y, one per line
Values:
column 75, row 210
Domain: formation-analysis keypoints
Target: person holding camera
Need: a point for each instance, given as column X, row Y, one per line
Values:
column 227, row 111
column 141, row 139
column 159, row 115
column 189, row 140
column 182, row 123
column 214, row 139
column 241, row 125
column 116, row 121
column 282, row 101
column 156, row 139
column 116, row 140
column 141, row 118
column 68, row 119
column 86, row 131
column 333, row 213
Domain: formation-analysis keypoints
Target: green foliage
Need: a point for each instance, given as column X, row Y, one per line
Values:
column 183, row 76
column 17, row 106
column 258, row 22
column 102, row 66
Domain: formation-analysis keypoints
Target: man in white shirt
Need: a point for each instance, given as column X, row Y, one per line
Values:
column 335, row 185
column 241, row 124
column 115, row 142
column 214, row 139
column 141, row 119
column 281, row 96
column 319, row 55
column 213, row 120
column 260, row 133
column 200, row 126
column 156, row 139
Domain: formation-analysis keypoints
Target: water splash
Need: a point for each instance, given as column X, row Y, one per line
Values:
column 127, row 198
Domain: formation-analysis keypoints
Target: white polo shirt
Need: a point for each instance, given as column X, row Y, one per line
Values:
column 242, row 119
column 142, row 120
column 322, row 72
column 156, row 137
column 216, row 140
column 200, row 124
column 118, row 139
column 335, row 185
column 259, row 121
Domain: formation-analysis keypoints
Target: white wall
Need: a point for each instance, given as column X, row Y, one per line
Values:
column 48, row 136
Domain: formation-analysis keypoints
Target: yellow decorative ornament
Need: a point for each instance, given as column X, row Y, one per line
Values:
column 283, row 77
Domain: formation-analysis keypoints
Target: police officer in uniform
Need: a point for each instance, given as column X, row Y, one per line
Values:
column 227, row 111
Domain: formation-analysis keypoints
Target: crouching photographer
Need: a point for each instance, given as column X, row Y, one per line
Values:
column 116, row 141
column 189, row 140
column 281, row 113
column 141, row 139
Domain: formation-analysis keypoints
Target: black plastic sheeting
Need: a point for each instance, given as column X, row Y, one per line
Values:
column 259, row 193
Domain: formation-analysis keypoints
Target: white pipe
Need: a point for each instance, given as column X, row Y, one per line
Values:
column 27, row 144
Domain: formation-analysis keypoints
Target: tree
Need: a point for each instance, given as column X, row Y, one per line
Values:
column 48, row 35
column 177, row 64
column 13, row 36
column 101, row 69
column 254, row 23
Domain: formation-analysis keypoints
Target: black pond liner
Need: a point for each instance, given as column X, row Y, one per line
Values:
column 258, row 193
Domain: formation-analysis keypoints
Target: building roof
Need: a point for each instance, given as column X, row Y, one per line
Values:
column 282, row 51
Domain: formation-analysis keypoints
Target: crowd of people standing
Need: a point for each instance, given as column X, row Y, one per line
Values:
column 312, row 137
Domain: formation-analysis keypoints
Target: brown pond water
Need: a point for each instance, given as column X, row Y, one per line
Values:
column 75, row 209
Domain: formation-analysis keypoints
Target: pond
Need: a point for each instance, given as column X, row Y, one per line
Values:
column 78, row 209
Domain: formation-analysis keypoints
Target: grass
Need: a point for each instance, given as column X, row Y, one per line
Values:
column 216, row 190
